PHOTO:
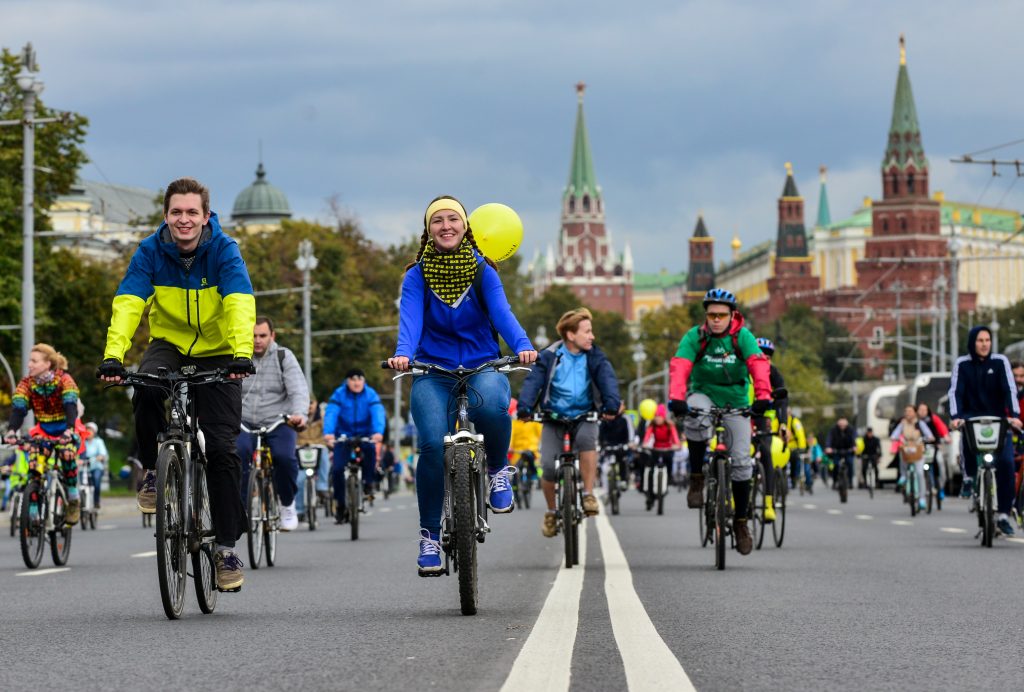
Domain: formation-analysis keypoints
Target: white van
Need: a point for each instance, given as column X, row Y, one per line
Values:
column 882, row 408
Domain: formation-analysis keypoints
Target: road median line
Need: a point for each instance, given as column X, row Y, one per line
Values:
column 545, row 661
column 42, row 572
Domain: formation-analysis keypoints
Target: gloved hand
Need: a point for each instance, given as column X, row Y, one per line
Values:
column 759, row 407
column 241, row 366
column 679, row 407
column 524, row 413
column 111, row 367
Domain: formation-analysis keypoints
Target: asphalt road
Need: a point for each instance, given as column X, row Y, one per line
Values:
column 860, row 597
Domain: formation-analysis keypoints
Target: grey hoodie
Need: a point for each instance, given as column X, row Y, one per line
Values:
column 277, row 387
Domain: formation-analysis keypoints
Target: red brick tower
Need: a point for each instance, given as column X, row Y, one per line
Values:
column 794, row 280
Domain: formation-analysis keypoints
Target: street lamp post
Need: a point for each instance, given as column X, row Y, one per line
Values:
column 540, row 339
column 954, row 297
column 306, row 263
column 639, row 356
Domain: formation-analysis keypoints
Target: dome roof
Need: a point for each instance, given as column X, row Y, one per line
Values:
column 261, row 200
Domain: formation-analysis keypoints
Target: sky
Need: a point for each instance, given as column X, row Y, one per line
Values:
column 691, row 106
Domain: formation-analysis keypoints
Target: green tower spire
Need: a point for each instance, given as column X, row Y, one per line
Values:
column 824, row 215
column 582, row 181
column 904, row 146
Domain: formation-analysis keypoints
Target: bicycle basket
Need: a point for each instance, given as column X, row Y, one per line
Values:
column 986, row 433
column 308, row 457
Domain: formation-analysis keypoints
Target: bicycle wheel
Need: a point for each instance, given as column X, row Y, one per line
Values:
column 757, row 505
column 721, row 507
column 170, row 538
column 567, row 512
column 913, row 492
column 781, row 495
column 525, row 488
column 870, row 478
column 60, row 537
column 988, row 508
column 352, row 497
column 929, row 491
column 15, row 512
column 273, row 524
column 1019, row 503
column 613, row 489
column 31, row 529
column 256, row 518
column 842, row 483
column 204, row 572
column 661, row 486
column 311, row 503
column 464, row 518
column 706, row 512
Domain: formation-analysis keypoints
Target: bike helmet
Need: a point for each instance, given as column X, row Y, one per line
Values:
column 766, row 345
column 720, row 295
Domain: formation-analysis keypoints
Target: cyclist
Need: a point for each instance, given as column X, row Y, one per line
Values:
column 661, row 440
column 839, row 444
column 776, row 419
column 870, row 455
column 982, row 385
column 616, row 433
column 453, row 306
column 15, row 471
column 524, row 445
column 796, row 439
column 909, row 437
column 816, row 462
column 51, row 394
column 193, row 279
column 940, row 433
column 713, row 365
column 279, row 386
column 572, row 377
column 354, row 410
column 96, row 458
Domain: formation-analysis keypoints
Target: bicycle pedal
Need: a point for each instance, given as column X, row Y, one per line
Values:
column 438, row 573
column 234, row 590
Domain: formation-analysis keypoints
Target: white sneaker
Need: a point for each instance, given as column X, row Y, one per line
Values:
column 289, row 517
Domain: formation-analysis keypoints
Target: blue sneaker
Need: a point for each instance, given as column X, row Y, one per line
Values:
column 921, row 504
column 1004, row 525
column 942, row 494
column 901, row 482
column 429, row 562
column 967, row 489
column 501, row 500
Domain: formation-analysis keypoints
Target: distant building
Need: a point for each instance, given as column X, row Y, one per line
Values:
column 92, row 206
column 585, row 260
column 655, row 291
column 260, row 207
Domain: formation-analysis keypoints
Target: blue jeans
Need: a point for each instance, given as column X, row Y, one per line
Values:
column 1005, row 481
column 432, row 403
column 323, row 473
column 96, row 478
column 286, row 464
column 342, row 455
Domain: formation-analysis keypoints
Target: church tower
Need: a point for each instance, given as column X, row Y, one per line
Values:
column 793, row 277
column 701, row 276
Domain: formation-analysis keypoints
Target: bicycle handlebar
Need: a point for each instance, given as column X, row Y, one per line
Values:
column 552, row 417
column 165, row 379
column 352, row 438
column 267, row 429
column 503, row 364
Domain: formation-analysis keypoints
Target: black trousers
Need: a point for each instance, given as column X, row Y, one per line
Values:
column 219, row 410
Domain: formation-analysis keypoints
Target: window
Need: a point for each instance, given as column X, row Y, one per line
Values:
column 885, row 225
column 903, row 224
column 572, row 205
column 586, row 203
column 910, row 182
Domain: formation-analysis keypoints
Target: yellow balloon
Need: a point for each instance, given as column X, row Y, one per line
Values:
column 780, row 455
column 498, row 230
column 859, row 445
column 648, row 407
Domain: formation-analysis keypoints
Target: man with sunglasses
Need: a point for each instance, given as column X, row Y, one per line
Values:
column 713, row 367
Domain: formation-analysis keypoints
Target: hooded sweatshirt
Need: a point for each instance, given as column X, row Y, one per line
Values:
column 982, row 386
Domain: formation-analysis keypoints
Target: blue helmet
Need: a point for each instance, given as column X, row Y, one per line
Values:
column 766, row 345
column 719, row 295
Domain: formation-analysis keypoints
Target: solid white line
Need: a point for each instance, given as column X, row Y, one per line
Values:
column 835, row 511
column 553, row 636
column 649, row 663
column 148, row 553
column 950, row 529
column 902, row 522
column 865, row 517
column 41, row 572
column 810, row 506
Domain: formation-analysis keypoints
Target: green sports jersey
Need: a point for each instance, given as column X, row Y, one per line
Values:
column 720, row 373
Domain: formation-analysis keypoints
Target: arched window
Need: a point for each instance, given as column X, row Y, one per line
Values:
column 885, row 225
column 572, row 205
column 903, row 224
column 910, row 182
column 586, row 203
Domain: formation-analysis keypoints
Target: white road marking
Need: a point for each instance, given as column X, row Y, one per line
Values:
column 41, row 572
column 902, row 522
column 810, row 506
column 865, row 517
column 384, row 509
column 648, row 662
column 835, row 511
column 1014, row 540
column 403, row 506
column 950, row 529
column 106, row 527
column 148, row 553
column 554, row 634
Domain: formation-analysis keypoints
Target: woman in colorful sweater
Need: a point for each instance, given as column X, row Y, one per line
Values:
column 52, row 396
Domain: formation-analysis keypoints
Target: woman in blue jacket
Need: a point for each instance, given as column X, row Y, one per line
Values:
column 448, row 316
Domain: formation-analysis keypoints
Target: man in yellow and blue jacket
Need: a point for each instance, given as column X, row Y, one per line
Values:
column 202, row 313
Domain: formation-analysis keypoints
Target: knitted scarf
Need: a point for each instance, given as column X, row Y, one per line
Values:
column 449, row 275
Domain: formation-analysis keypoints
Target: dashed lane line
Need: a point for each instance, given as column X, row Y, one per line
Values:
column 865, row 517
column 806, row 506
column 553, row 636
column 902, row 522
column 835, row 511
column 384, row 509
column 951, row 529
column 1015, row 540
column 42, row 572
column 148, row 553
column 648, row 662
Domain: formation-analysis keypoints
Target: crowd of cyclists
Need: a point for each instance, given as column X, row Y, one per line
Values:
column 193, row 281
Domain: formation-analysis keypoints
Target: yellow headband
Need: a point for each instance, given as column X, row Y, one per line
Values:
column 446, row 203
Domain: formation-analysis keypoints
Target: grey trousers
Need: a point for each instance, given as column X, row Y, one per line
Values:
column 737, row 438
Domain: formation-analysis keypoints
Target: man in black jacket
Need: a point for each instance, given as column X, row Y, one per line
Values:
column 870, row 456
column 982, row 385
column 839, row 445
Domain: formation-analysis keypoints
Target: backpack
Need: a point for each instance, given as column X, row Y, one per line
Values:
column 478, row 293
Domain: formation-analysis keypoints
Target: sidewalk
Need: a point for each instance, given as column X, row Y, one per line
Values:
column 118, row 507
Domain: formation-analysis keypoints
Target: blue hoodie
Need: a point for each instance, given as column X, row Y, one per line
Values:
column 354, row 415
column 461, row 335
column 982, row 386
